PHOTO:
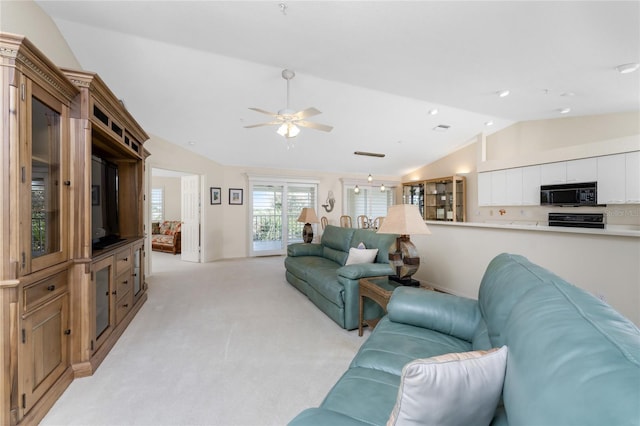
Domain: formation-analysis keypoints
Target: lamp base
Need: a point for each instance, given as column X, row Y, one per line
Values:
column 307, row 233
column 405, row 281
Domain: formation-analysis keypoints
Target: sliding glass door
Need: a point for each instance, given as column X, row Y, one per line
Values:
column 275, row 207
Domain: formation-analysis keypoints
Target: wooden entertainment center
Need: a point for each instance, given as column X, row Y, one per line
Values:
column 72, row 228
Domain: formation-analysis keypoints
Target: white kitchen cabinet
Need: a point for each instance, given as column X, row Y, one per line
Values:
column 582, row 170
column 484, row 189
column 553, row 173
column 513, row 186
column 612, row 179
column 499, row 188
column 531, row 186
column 632, row 172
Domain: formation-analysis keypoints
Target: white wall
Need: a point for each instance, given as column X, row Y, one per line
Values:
column 454, row 258
column 28, row 19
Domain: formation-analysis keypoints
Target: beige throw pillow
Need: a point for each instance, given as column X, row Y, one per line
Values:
column 357, row 255
column 452, row 389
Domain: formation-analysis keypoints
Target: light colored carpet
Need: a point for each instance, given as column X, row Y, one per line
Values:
column 223, row 343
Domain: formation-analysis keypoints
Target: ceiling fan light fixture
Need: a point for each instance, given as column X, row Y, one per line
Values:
column 288, row 130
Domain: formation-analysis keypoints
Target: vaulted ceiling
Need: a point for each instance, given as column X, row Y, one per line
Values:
column 189, row 71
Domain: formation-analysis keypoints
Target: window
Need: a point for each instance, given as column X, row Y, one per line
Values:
column 370, row 202
column 275, row 207
column 157, row 204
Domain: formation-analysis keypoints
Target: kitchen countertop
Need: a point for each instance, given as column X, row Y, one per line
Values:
column 609, row 230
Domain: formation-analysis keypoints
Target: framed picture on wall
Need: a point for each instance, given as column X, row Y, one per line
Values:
column 235, row 196
column 216, row 195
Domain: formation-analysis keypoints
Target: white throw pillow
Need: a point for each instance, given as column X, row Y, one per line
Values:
column 452, row 389
column 357, row 255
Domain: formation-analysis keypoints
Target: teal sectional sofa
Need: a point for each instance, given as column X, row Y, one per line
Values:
column 319, row 271
column 571, row 359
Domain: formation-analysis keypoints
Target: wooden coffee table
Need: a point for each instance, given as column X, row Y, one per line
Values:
column 378, row 289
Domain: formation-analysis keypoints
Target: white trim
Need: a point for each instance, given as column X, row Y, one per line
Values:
column 281, row 179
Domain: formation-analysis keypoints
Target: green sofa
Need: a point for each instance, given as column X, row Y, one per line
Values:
column 572, row 359
column 319, row 271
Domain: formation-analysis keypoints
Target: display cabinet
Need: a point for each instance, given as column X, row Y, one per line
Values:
column 413, row 193
column 438, row 199
column 72, row 232
column 35, row 187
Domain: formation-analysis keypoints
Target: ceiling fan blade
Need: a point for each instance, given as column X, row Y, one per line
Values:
column 305, row 113
column 273, row 114
column 316, row 126
column 270, row 123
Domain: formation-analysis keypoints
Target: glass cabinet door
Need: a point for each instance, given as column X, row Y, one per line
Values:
column 414, row 194
column 103, row 302
column 43, row 175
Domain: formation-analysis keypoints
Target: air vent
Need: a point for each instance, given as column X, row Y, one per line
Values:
column 441, row 128
column 369, row 154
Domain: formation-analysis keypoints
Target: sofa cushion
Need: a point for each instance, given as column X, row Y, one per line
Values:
column 452, row 389
column 498, row 294
column 391, row 346
column 358, row 255
column 324, row 280
column 572, row 358
column 170, row 227
column 337, row 238
column 363, row 394
column 162, row 239
column 337, row 256
column 300, row 266
column 453, row 315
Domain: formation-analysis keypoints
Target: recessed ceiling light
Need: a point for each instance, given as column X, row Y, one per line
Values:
column 503, row 93
column 627, row 68
column 441, row 128
column 567, row 94
column 191, row 143
column 433, row 111
column 564, row 110
column 488, row 123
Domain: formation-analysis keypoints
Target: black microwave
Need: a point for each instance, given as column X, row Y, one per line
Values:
column 569, row 194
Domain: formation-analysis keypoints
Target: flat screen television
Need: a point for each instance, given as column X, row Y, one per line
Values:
column 104, row 203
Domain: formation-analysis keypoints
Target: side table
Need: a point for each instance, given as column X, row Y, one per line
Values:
column 378, row 289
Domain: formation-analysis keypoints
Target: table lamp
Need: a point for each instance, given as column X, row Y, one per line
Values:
column 308, row 216
column 404, row 219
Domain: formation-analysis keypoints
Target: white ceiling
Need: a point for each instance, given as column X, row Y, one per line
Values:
column 188, row 71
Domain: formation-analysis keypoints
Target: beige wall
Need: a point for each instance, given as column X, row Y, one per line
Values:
column 28, row 19
column 165, row 155
column 454, row 258
column 236, row 236
column 540, row 141
column 172, row 200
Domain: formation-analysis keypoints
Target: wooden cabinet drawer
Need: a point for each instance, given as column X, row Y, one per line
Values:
column 123, row 306
column 123, row 284
column 123, row 261
column 44, row 290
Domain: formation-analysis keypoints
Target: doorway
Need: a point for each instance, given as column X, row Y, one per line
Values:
column 176, row 195
column 275, row 207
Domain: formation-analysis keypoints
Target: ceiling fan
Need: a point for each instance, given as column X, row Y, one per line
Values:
column 289, row 120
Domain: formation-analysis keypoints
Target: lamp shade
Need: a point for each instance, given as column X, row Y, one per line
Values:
column 308, row 215
column 404, row 219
